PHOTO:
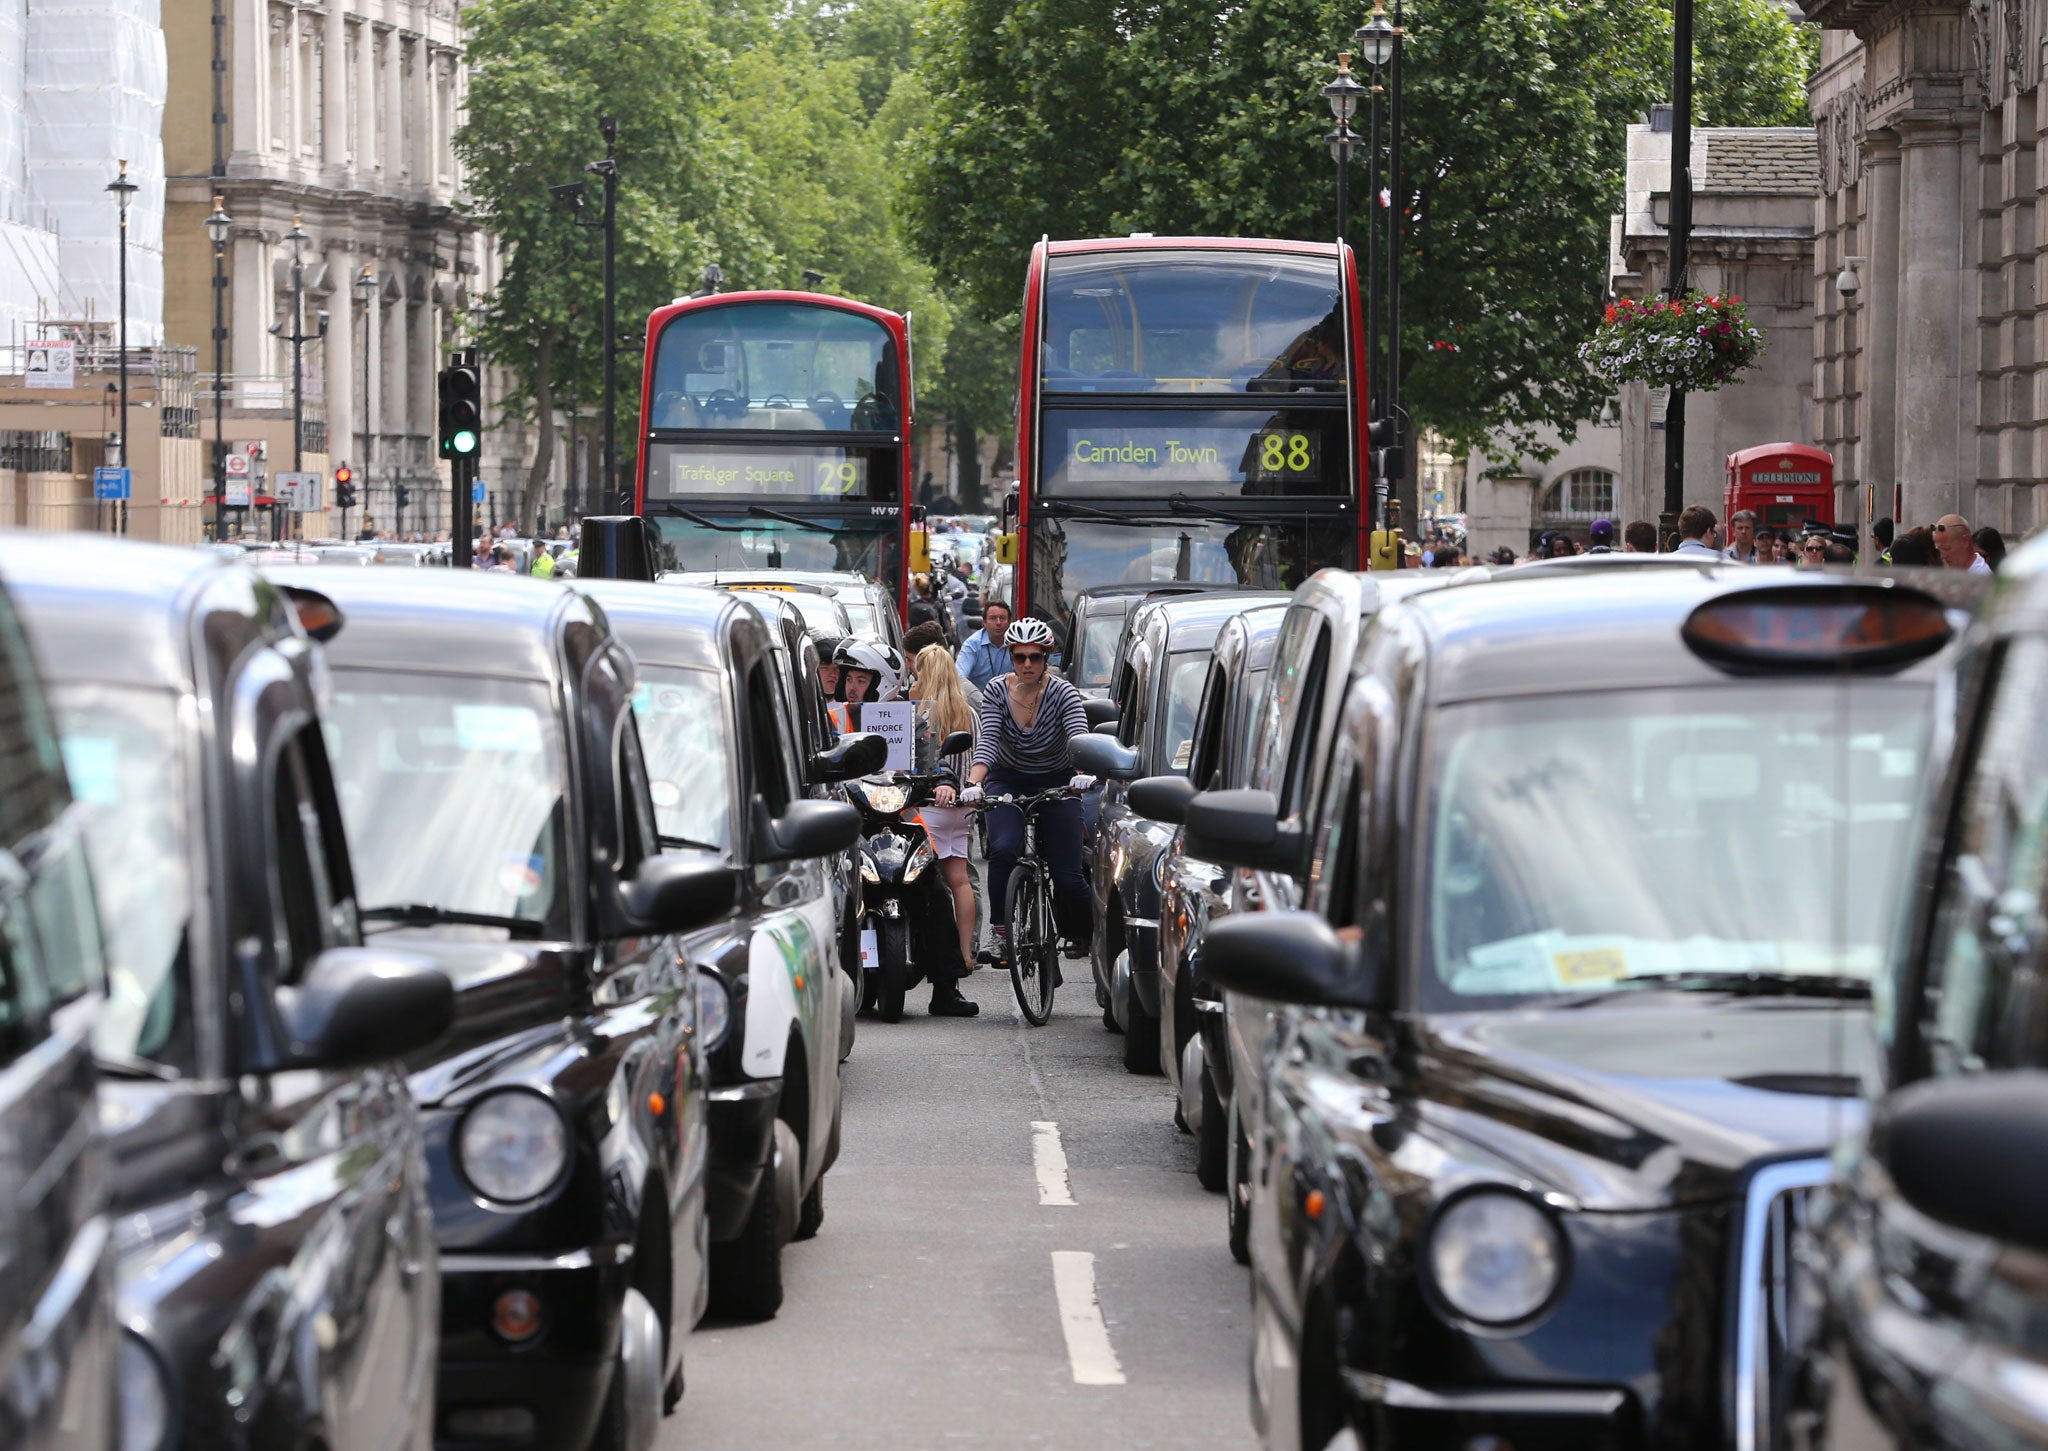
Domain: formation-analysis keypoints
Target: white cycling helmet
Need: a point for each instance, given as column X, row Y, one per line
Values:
column 884, row 662
column 1028, row 631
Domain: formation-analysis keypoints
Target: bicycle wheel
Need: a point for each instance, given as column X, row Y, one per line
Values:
column 1034, row 944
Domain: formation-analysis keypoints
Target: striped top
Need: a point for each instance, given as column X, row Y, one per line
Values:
column 1040, row 750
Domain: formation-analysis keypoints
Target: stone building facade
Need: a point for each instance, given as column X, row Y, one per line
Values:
column 341, row 114
column 1928, row 378
column 1753, row 238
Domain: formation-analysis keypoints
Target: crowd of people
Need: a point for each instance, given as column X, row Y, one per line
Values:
column 1949, row 542
column 1019, row 714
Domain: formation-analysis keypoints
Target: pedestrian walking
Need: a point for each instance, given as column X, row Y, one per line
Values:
column 1742, row 537
column 1697, row 532
column 1958, row 550
column 984, row 657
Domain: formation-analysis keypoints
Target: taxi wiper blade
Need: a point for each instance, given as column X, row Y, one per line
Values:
column 426, row 914
column 669, row 843
column 126, row 1065
column 756, row 511
column 1755, row 983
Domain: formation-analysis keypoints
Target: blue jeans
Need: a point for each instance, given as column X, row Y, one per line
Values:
column 1059, row 844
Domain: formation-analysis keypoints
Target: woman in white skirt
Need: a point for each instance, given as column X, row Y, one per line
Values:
column 942, row 708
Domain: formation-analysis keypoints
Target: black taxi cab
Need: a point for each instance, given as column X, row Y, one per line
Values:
column 59, row 1338
column 1158, row 684
column 276, row 1265
column 1921, row 1320
column 1599, row 875
column 497, row 800
column 728, row 775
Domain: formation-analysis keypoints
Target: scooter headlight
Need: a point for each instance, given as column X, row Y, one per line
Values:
column 887, row 800
column 919, row 860
column 867, row 869
column 1496, row 1256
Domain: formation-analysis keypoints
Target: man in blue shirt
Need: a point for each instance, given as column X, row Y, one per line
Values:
column 982, row 655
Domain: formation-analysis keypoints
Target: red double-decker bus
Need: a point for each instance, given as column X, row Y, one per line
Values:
column 776, row 435
column 1190, row 408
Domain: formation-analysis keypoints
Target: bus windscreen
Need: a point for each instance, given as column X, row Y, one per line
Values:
column 776, row 366
column 1140, row 321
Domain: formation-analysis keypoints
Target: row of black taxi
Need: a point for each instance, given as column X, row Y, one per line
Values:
column 419, row 997
column 1610, row 999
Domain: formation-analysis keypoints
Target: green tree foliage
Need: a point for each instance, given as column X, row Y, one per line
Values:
column 1073, row 118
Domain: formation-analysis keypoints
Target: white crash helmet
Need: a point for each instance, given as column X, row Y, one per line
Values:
column 1028, row 631
column 885, row 662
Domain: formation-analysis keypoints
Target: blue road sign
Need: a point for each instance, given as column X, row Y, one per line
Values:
column 110, row 485
column 476, row 492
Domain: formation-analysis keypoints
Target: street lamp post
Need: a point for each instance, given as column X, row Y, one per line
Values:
column 298, row 337
column 218, row 225
column 1342, row 93
column 1680, row 241
column 574, row 196
column 1377, row 41
column 366, row 288
column 123, row 189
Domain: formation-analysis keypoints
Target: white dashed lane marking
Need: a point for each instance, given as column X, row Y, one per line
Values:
column 1088, row 1348
column 1049, row 1159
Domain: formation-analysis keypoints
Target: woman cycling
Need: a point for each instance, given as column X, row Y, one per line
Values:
column 1027, row 718
column 942, row 709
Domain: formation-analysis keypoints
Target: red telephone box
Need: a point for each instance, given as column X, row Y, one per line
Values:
column 1783, row 484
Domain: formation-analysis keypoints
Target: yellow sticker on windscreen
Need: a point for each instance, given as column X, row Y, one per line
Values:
column 1595, row 964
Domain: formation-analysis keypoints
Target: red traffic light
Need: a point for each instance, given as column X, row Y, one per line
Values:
column 343, row 473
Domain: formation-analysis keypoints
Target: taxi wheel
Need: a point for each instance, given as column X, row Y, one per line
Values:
column 811, row 1217
column 1212, row 1143
column 746, row 1273
column 1237, row 1188
column 1141, row 1040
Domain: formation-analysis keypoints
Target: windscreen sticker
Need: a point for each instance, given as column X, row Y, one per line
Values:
column 519, row 875
column 512, row 728
column 94, row 765
column 665, row 793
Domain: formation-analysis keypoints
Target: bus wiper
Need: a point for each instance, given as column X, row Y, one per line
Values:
column 1182, row 504
column 1062, row 509
column 702, row 521
column 1753, row 983
column 755, row 511
column 426, row 914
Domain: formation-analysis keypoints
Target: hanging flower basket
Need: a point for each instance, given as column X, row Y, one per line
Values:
column 1697, row 343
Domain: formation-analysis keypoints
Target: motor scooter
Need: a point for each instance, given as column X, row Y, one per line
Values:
column 900, row 888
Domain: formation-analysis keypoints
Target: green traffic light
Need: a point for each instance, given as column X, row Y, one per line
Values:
column 462, row 441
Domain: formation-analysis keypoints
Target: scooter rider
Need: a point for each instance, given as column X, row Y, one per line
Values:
column 868, row 671
column 1027, row 718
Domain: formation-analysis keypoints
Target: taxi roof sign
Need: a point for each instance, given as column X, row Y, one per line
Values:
column 1871, row 625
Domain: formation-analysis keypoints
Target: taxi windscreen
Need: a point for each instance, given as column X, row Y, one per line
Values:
column 455, row 794
column 1572, row 845
column 682, row 721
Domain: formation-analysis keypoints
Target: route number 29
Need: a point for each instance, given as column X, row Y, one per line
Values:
column 838, row 478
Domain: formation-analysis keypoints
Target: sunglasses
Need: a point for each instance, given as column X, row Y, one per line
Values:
column 1816, row 548
column 1027, row 657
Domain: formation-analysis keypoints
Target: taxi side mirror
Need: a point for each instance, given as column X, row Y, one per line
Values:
column 806, row 830
column 679, row 891
column 357, row 1005
column 852, row 758
column 1243, row 829
column 1100, row 712
column 1161, row 798
column 1286, row 957
column 1104, row 756
column 1972, row 1153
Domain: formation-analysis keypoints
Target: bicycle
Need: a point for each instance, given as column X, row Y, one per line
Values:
column 1033, row 946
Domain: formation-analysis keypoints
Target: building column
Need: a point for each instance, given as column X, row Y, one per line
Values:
column 375, row 465
column 342, row 424
column 251, row 307
column 334, row 104
column 1931, row 431
column 1878, row 389
column 367, row 158
column 393, row 150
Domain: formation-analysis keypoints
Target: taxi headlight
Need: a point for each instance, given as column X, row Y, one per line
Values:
column 919, row 860
column 512, row 1146
column 145, row 1397
column 1161, row 865
column 887, row 800
column 1495, row 1256
column 714, row 1009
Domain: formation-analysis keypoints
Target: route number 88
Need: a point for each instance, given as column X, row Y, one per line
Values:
column 1284, row 453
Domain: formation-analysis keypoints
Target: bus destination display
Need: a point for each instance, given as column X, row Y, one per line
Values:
column 1096, row 452
column 802, row 473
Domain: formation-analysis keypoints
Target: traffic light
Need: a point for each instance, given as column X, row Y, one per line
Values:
column 462, row 412
column 404, row 497
column 344, row 487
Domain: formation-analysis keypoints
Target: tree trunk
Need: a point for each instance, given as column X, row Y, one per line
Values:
column 535, row 489
column 967, row 454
